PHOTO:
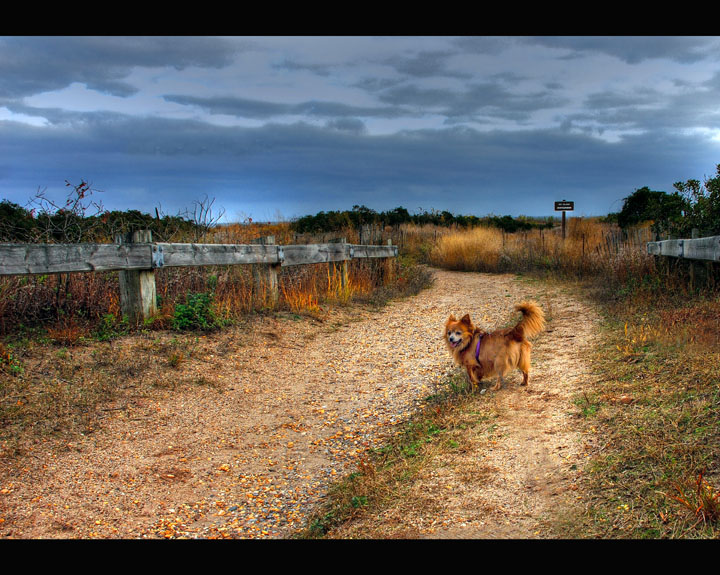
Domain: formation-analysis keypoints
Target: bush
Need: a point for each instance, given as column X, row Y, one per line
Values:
column 196, row 313
column 664, row 210
column 111, row 328
column 704, row 200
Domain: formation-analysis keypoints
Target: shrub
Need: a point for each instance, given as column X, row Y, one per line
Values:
column 196, row 313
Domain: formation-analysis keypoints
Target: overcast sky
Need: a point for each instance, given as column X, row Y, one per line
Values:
column 279, row 127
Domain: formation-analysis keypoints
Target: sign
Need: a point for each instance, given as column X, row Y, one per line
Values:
column 564, row 206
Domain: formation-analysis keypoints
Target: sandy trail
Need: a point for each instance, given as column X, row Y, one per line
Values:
column 294, row 405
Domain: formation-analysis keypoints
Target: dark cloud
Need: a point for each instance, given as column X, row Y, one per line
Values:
column 292, row 65
column 233, row 106
column 473, row 100
column 335, row 157
column 614, row 99
column 425, row 64
column 298, row 169
column 352, row 125
column 635, row 49
column 38, row 64
column 260, row 109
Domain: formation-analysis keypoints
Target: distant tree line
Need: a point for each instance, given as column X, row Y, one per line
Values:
column 693, row 205
column 81, row 219
column 335, row 221
column 20, row 225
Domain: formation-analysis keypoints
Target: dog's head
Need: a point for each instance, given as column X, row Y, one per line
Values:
column 458, row 332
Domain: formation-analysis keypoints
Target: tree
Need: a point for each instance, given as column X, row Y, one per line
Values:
column 396, row 217
column 16, row 223
column 203, row 217
column 664, row 210
column 703, row 203
column 72, row 222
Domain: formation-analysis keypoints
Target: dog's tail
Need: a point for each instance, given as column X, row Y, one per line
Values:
column 532, row 322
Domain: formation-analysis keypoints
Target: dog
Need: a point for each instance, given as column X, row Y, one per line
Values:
column 485, row 354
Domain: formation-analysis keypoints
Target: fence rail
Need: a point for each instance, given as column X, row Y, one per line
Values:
column 136, row 258
column 707, row 248
column 20, row 259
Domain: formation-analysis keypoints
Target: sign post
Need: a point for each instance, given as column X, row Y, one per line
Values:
column 563, row 207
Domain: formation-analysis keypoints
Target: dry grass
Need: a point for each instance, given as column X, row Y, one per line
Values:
column 69, row 307
column 53, row 393
column 656, row 409
column 386, row 478
column 590, row 248
column 478, row 249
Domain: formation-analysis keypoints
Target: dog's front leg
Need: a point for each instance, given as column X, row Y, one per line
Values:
column 477, row 373
column 470, row 375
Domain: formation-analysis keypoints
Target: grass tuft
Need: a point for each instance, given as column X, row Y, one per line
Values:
column 386, row 474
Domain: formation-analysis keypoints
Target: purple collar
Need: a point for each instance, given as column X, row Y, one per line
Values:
column 477, row 348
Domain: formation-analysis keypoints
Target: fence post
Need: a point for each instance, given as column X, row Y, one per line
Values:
column 138, row 299
column 339, row 268
column 388, row 268
column 265, row 275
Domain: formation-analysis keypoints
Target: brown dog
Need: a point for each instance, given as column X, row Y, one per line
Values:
column 487, row 354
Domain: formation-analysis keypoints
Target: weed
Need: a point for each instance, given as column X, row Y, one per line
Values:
column 701, row 499
column 9, row 361
column 111, row 328
column 195, row 314
column 388, row 472
column 300, row 301
column 67, row 331
column 636, row 341
column 175, row 359
column 587, row 407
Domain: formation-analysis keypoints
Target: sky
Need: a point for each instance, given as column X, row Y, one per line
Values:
column 273, row 128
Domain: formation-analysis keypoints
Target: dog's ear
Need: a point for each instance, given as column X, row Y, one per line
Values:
column 466, row 319
column 452, row 318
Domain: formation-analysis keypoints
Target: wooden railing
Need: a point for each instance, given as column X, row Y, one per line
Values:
column 136, row 257
column 707, row 249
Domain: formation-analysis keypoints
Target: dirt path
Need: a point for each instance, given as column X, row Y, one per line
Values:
column 294, row 405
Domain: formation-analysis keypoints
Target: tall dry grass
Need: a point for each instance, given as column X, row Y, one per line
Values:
column 477, row 249
column 590, row 249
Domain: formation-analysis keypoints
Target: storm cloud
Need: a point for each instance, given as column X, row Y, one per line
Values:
column 285, row 126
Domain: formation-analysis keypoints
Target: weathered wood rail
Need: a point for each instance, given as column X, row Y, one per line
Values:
column 707, row 249
column 697, row 256
column 136, row 257
column 21, row 259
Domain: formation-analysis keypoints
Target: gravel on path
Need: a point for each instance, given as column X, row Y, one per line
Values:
column 293, row 406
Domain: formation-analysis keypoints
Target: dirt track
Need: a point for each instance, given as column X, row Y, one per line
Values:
column 294, row 405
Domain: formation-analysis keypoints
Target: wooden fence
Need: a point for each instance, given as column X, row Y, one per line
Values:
column 707, row 249
column 136, row 257
column 696, row 256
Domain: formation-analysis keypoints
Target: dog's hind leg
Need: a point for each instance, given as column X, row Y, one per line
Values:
column 500, row 368
column 500, row 379
column 524, row 363
column 498, row 385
